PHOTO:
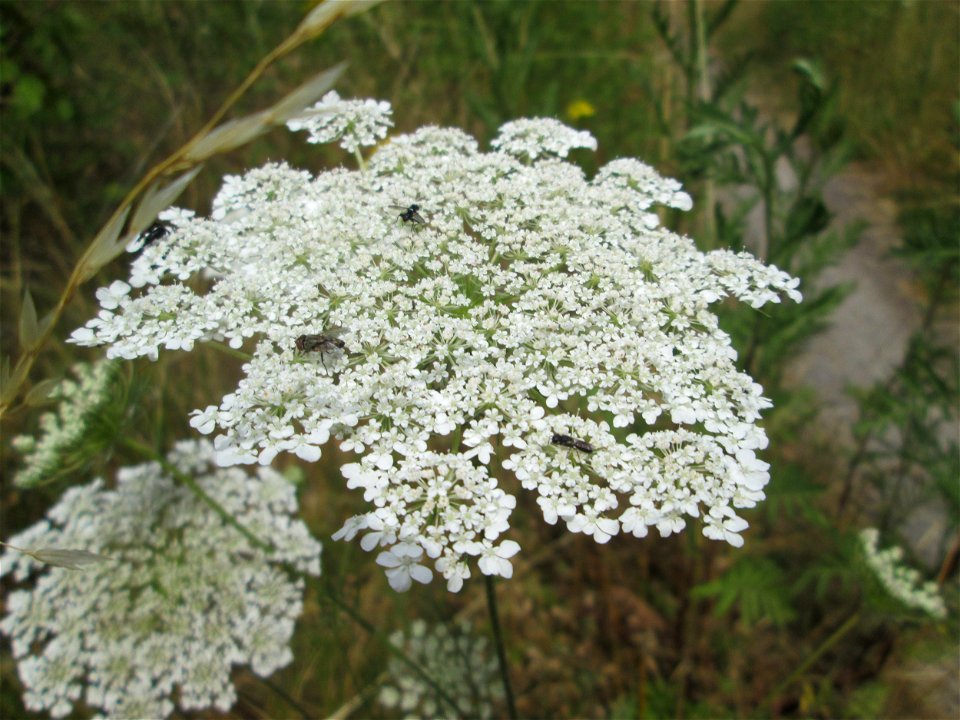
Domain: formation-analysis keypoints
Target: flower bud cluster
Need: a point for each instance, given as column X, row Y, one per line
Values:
column 177, row 597
column 518, row 301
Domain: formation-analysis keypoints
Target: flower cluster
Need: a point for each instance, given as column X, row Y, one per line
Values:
column 355, row 123
column 529, row 139
column 901, row 581
column 456, row 660
column 177, row 598
column 63, row 432
column 531, row 304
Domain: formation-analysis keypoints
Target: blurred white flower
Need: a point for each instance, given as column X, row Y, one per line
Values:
column 183, row 598
column 901, row 581
column 59, row 444
column 456, row 659
column 532, row 303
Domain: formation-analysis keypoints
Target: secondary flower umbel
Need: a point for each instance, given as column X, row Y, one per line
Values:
column 175, row 598
column 457, row 660
column 535, row 302
column 59, row 448
column 900, row 580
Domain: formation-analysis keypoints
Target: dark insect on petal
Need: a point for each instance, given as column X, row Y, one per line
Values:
column 571, row 442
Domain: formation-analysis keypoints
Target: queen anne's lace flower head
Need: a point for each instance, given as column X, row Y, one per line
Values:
column 533, row 303
column 529, row 139
column 179, row 600
column 355, row 123
column 62, row 433
column 901, row 581
column 458, row 661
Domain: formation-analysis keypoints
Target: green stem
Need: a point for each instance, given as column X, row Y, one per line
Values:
column 360, row 162
column 498, row 641
column 227, row 350
column 814, row 656
column 286, row 698
column 194, row 487
column 393, row 649
column 704, row 93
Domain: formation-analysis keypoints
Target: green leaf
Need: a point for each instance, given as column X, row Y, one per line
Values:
column 157, row 199
column 70, row 559
column 29, row 328
column 229, row 135
column 28, row 94
column 812, row 92
column 306, row 94
column 40, row 392
column 757, row 587
column 104, row 247
column 326, row 13
column 4, row 372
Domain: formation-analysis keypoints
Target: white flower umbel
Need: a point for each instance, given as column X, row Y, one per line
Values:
column 62, row 433
column 455, row 659
column 449, row 349
column 355, row 123
column 176, row 599
column 530, row 139
column 901, row 581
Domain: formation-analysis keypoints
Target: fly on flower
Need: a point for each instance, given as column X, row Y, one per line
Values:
column 571, row 442
column 410, row 214
column 323, row 343
column 148, row 236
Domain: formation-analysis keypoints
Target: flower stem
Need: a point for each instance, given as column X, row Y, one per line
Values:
column 814, row 656
column 393, row 649
column 227, row 350
column 279, row 691
column 498, row 641
column 191, row 484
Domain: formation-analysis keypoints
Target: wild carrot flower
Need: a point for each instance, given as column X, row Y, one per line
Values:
column 83, row 404
column 901, row 581
column 355, row 123
column 532, row 303
column 176, row 598
column 457, row 660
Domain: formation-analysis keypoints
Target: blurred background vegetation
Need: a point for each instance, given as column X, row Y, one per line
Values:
column 757, row 108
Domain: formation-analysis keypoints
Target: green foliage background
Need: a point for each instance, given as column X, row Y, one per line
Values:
column 93, row 94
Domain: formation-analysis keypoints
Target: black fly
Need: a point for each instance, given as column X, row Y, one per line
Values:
column 150, row 235
column 411, row 214
column 571, row 442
